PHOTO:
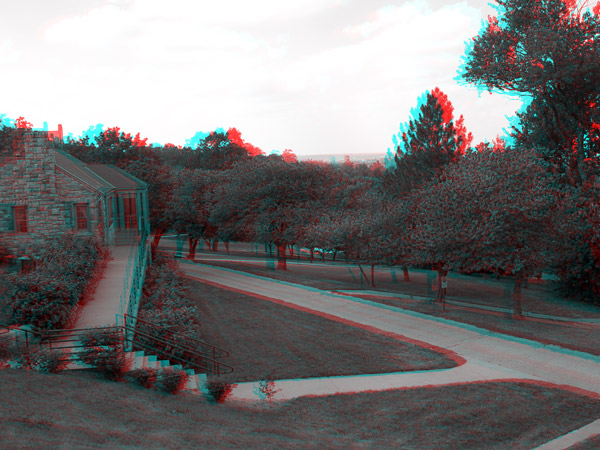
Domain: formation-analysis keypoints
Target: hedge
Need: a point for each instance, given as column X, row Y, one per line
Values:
column 46, row 296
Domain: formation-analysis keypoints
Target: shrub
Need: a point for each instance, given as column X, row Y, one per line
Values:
column 266, row 390
column 46, row 295
column 103, row 350
column 172, row 316
column 41, row 359
column 219, row 390
column 47, row 360
column 144, row 376
column 172, row 381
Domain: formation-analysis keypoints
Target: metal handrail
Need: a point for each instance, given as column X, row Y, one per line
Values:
column 8, row 328
column 217, row 352
column 198, row 360
column 180, row 353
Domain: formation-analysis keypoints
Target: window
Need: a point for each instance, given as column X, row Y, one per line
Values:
column 81, row 214
column 20, row 219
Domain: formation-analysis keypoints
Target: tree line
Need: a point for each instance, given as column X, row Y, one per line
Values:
column 519, row 206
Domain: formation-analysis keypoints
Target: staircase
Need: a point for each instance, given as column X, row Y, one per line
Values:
column 180, row 353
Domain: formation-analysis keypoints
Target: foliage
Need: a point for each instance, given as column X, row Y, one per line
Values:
column 220, row 150
column 430, row 141
column 144, row 376
column 579, row 242
column 171, row 316
column 189, row 211
column 172, row 381
column 548, row 51
column 219, row 390
column 103, row 350
column 266, row 390
column 45, row 296
column 490, row 212
column 43, row 360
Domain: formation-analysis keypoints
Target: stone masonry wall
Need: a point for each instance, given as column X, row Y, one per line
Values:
column 32, row 180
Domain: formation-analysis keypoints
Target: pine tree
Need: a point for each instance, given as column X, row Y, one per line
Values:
column 429, row 142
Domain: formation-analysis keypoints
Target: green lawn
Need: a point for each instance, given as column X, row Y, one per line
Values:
column 78, row 410
column 268, row 340
column 477, row 290
column 592, row 443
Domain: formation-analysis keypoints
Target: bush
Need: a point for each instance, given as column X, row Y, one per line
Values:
column 46, row 295
column 165, row 305
column 172, row 381
column 103, row 350
column 219, row 390
column 144, row 376
column 50, row 361
column 41, row 359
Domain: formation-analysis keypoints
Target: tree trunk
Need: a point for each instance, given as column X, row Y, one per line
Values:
column 334, row 254
column 322, row 256
column 312, row 253
column 438, row 296
column 215, row 245
column 516, row 298
column 227, row 246
column 405, row 272
column 525, row 283
column 281, row 260
column 154, row 245
column 372, row 275
column 207, row 243
column 393, row 272
column 192, row 248
column 360, row 275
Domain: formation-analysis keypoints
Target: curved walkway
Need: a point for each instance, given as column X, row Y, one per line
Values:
column 489, row 355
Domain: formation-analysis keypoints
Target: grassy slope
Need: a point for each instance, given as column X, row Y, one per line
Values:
column 77, row 410
column 270, row 340
column 592, row 443
column 475, row 289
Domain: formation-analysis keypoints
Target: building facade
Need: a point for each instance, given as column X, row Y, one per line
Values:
column 45, row 192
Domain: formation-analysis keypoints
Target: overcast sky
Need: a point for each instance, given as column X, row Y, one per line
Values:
column 314, row 76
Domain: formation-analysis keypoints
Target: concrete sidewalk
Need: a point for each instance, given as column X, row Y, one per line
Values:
column 289, row 389
column 102, row 309
column 489, row 356
column 451, row 301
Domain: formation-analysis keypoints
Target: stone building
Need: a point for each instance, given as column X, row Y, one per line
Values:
column 45, row 192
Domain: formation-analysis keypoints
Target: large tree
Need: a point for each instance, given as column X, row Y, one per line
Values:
column 429, row 141
column 268, row 200
column 548, row 52
column 494, row 211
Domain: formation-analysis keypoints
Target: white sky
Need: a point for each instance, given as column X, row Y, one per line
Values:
column 315, row 76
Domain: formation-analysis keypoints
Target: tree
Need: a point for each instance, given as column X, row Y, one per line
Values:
column 269, row 200
column 547, row 51
column 189, row 211
column 220, row 150
column 430, row 141
column 160, row 194
column 494, row 211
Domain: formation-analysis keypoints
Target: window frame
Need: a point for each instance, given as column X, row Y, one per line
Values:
column 20, row 219
column 85, row 216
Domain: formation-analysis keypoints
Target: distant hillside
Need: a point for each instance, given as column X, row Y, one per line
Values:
column 341, row 157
